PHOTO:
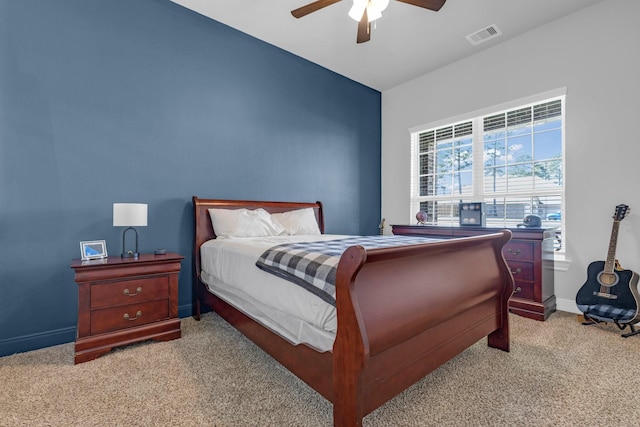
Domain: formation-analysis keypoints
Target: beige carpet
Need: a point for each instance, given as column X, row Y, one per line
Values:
column 558, row 373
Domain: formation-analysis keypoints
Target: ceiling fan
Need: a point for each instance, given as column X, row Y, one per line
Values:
column 365, row 11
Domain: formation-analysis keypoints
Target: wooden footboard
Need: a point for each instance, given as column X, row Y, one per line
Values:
column 402, row 312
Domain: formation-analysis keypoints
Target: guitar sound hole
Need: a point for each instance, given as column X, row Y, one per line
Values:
column 607, row 279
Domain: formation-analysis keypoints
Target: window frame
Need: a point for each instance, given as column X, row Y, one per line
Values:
column 478, row 193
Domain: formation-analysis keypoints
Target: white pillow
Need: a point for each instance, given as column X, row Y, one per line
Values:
column 298, row 222
column 229, row 223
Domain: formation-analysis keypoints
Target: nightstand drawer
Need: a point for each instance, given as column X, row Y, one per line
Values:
column 129, row 291
column 128, row 316
column 518, row 251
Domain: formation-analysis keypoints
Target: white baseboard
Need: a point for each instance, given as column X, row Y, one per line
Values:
column 567, row 305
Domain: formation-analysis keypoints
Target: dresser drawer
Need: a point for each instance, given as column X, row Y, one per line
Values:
column 128, row 316
column 523, row 290
column 129, row 291
column 521, row 270
column 518, row 251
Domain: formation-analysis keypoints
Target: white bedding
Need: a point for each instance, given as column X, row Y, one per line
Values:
column 229, row 271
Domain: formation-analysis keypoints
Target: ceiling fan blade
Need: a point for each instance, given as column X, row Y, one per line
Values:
column 312, row 7
column 364, row 29
column 434, row 5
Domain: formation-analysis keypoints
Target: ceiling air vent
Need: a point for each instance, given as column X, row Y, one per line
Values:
column 484, row 34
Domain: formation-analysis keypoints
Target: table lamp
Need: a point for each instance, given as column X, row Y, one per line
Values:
column 129, row 215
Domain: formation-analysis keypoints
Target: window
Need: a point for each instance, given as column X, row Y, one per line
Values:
column 512, row 159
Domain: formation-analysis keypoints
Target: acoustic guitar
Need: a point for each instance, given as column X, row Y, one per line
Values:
column 610, row 292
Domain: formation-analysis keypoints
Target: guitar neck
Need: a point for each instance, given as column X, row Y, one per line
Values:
column 611, row 254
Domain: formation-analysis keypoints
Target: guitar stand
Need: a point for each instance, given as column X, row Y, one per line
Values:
column 631, row 327
column 622, row 326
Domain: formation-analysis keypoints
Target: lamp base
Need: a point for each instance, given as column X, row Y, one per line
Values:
column 130, row 254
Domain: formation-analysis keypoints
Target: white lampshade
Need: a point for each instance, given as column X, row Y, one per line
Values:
column 129, row 215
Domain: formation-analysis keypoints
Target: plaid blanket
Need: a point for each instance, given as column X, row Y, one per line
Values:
column 313, row 265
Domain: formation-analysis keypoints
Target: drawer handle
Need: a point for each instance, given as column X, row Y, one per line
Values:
column 518, row 270
column 512, row 252
column 127, row 317
column 517, row 290
column 129, row 294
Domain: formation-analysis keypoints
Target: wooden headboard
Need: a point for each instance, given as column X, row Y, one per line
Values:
column 202, row 221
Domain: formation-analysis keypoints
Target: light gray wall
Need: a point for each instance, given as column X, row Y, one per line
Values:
column 595, row 54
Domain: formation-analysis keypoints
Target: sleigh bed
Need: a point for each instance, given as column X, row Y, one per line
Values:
column 401, row 312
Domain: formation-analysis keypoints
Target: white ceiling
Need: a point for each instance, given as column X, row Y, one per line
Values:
column 406, row 42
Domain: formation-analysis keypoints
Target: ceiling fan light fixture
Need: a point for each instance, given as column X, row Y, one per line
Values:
column 373, row 13
column 357, row 9
column 374, row 9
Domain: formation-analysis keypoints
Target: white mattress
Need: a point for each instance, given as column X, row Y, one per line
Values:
column 229, row 271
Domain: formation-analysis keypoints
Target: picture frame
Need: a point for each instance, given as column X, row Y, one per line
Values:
column 472, row 214
column 94, row 249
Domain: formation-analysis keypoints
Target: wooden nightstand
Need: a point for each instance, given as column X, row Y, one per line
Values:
column 123, row 300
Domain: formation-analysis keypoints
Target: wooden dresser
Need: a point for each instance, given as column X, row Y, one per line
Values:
column 125, row 300
column 529, row 254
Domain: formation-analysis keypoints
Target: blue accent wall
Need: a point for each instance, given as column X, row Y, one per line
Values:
column 143, row 101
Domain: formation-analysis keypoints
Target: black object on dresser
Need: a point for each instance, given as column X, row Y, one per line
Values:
column 529, row 254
